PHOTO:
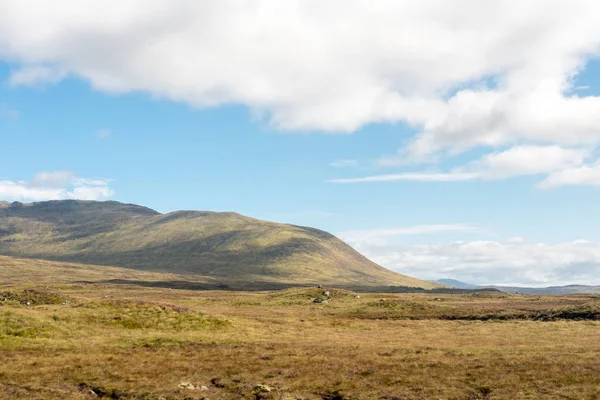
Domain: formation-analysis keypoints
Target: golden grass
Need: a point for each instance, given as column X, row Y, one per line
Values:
column 85, row 341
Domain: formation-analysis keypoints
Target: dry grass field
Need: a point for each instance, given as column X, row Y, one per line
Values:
column 62, row 339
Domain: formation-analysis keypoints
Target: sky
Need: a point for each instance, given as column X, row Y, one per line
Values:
column 441, row 139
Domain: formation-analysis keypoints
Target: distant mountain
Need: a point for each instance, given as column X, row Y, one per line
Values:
column 457, row 284
column 224, row 246
column 568, row 289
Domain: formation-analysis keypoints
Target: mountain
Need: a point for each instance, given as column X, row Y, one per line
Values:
column 457, row 284
column 567, row 289
column 224, row 246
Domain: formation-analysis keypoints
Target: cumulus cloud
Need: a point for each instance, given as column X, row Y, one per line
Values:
column 584, row 175
column 527, row 160
column 56, row 185
column 463, row 74
column 512, row 262
column 495, row 74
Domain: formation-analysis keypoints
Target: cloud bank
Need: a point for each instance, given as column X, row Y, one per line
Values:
column 55, row 185
column 515, row 261
column 462, row 73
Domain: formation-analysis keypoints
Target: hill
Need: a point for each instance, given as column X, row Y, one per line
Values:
column 567, row 289
column 224, row 246
column 457, row 284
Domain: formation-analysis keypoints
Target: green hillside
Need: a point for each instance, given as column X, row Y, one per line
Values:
column 224, row 246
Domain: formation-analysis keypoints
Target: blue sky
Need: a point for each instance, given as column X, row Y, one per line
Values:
column 484, row 170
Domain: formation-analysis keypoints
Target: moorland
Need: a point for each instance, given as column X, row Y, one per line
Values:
column 65, row 333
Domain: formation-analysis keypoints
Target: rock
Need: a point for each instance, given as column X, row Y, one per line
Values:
column 318, row 301
column 381, row 299
column 326, row 293
column 320, row 287
column 204, row 388
column 262, row 388
column 187, row 385
column 358, row 296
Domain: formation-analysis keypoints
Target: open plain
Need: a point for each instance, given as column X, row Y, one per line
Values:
column 65, row 334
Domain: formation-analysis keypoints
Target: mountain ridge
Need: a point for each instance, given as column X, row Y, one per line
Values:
column 562, row 289
column 221, row 244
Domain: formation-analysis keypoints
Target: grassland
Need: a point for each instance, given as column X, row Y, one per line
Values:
column 62, row 339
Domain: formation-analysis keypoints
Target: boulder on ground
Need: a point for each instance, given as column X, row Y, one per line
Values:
column 262, row 388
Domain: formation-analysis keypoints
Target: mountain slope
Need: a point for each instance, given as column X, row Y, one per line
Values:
column 220, row 245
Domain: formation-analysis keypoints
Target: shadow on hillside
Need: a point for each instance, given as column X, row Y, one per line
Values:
column 267, row 286
column 187, row 285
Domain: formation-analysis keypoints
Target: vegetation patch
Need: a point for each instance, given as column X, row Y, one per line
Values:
column 15, row 325
column 142, row 315
column 578, row 313
column 396, row 309
column 30, row 297
column 336, row 395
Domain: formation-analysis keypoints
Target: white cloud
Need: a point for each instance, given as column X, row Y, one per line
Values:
column 381, row 235
column 562, row 166
column 415, row 177
column 55, row 185
column 526, row 160
column 35, row 76
column 463, row 74
column 498, row 74
column 585, row 175
column 344, row 163
column 55, row 179
column 515, row 261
